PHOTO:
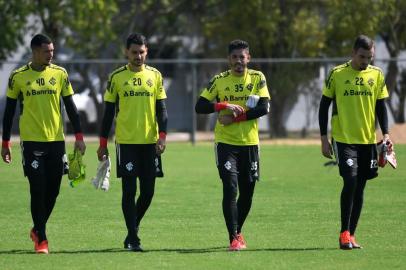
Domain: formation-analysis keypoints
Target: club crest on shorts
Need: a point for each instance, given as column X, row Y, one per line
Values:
column 227, row 165
column 350, row 162
column 35, row 164
column 129, row 166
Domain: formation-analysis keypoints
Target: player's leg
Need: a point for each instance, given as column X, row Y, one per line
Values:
column 226, row 160
column 248, row 167
column 54, row 165
column 347, row 158
column 129, row 189
column 33, row 164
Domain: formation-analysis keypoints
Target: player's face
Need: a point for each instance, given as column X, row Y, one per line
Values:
column 136, row 55
column 238, row 61
column 43, row 56
column 361, row 58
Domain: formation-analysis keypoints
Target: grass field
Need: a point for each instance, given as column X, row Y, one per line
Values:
column 293, row 224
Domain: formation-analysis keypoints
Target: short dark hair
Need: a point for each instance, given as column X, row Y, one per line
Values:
column 38, row 40
column 136, row 38
column 363, row 41
column 238, row 44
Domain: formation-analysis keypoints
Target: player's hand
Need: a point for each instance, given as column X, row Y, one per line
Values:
column 225, row 120
column 102, row 153
column 6, row 154
column 235, row 109
column 326, row 148
column 160, row 146
column 81, row 146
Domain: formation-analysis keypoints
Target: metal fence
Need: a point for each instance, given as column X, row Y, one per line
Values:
column 295, row 85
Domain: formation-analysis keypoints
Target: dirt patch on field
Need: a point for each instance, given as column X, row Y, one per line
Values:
column 398, row 133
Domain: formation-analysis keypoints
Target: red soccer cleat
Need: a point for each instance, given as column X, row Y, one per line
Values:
column 42, row 247
column 345, row 240
column 235, row 245
column 241, row 239
column 354, row 243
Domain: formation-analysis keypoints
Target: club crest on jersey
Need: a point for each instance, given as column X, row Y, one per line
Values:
column 149, row 83
column 250, row 86
column 52, row 81
column 371, row 82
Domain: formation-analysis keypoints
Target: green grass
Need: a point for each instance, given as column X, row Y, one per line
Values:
column 293, row 224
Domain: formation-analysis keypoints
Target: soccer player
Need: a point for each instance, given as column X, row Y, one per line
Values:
column 39, row 86
column 136, row 92
column 240, row 96
column 358, row 91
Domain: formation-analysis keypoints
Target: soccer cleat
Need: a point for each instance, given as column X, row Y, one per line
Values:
column 41, row 247
column 241, row 239
column 354, row 243
column 34, row 235
column 133, row 244
column 345, row 240
column 235, row 245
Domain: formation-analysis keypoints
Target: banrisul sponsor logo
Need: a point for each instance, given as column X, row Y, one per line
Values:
column 40, row 92
column 132, row 93
column 352, row 92
column 235, row 98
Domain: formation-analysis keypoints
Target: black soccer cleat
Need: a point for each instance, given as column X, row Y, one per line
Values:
column 133, row 244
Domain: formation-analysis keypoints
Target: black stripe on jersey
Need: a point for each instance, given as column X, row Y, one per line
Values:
column 337, row 68
column 375, row 68
column 19, row 70
column 57, row 68
column 120, row 69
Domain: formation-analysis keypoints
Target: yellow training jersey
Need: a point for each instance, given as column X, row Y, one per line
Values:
column 135, row 94
column 225, row 87
column 354, row 94
column 40, row 93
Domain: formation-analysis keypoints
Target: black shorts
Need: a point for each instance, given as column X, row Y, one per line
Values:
column 236, row 159
column 356, row 159
column 138, row 160
column 41, row 157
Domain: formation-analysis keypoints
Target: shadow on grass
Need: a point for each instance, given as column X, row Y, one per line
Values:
column 174, row 250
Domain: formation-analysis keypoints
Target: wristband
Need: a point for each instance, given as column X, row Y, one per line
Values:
column 162, row 135
column 220, row 106
column 79, row 136
column 6, row 144
column 103, row 142
column 241, row 117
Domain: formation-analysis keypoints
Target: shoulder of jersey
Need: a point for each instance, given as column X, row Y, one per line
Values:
column 152, row 69
column 52, row 66
column 117, row 71
column 254, row 72
column 340, row 67
column 20, row 69
column 375, row 68
column 221, row 75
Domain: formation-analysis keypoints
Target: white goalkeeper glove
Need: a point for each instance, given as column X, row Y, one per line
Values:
column 101, row 180
column 386, row 154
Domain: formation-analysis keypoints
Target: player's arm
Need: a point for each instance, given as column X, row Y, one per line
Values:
column 9, row 112
column 204, row 106
column 382, row 115
column 323, row 123
column 162, row 119
column 259, row 110
column 109, row 111
column 73, row 116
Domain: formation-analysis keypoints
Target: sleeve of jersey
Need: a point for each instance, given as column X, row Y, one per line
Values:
column 12, row 90
column 383, row 90
column 161, row 94
column 263, row 88
column 210, row 92
column 328, row 88
column 111, row 93
column 67, row 89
